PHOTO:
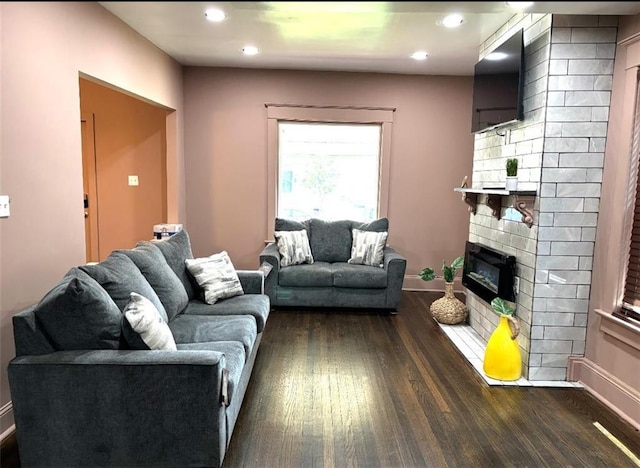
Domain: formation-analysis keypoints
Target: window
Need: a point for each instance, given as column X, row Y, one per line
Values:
column 328, row 171
column 286, row 177
column 631, row 301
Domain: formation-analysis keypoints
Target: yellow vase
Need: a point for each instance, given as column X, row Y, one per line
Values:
column 502, row 358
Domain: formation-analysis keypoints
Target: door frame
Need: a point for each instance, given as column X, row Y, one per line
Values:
column 90, row 187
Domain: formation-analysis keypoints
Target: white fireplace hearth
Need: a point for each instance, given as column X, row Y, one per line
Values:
column 472, row 347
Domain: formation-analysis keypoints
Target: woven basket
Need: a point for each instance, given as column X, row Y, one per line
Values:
column 449, row 309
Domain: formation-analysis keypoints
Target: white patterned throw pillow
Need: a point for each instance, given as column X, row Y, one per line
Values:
column 294, row 247
column 144, row 322
column 367, row 247
column 216, row 276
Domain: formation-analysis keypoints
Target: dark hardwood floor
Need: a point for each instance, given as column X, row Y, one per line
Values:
column 358, row 389
column 354, row 389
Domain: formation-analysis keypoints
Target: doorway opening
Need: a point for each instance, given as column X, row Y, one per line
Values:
column 124, row 160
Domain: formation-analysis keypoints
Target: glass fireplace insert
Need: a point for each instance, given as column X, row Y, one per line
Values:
column 488, row 273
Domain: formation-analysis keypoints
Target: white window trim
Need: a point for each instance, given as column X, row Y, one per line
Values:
column 351, row 115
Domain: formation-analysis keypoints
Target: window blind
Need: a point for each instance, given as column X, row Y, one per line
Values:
column 631, row 299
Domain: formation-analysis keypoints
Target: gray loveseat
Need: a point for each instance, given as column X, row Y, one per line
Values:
column 330, row 281
column 82, row 397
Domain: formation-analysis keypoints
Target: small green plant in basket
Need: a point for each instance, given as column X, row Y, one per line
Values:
column 448, row 271
column 448, row 309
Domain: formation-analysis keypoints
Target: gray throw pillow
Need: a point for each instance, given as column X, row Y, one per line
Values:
column 176, row 249
column 216, row 276
column 78, row 313
column 154, row 267
column 143, row 327
column 119, row 276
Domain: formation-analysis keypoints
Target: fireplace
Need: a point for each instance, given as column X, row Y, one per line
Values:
column 488, row 273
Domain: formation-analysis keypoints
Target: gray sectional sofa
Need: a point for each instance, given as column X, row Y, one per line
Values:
column 83, row 397
column 330, row 280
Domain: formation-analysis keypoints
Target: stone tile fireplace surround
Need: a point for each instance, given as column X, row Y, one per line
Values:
column 560, row 147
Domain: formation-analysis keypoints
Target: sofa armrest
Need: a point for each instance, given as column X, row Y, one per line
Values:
column 392, row 255
column 108, row 357
column 117, row 407
column 252, row 281
column 271, row 255
column 396, row 265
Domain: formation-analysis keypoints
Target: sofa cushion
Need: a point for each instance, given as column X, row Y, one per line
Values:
column 234, row 359
column 176, row 249
column 377, row 225
column 119, row 276
column 283, row 224
column 143, row 327
column 216, row 276
column 368, row 248
column 152, row 264
column 330, row 240
column 77, row 313
column 319, row 274
column 201, row 328
column 346, row 275
column 256, row 305
column 293, row 247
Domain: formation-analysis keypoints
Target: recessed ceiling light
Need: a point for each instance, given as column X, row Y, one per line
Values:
column 250, row 50
column 519, row 5
column 215, row 15
column 419, row 55
column 496, row 56
column 452, row 21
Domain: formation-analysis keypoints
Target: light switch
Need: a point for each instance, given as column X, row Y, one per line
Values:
column 133, row 180
column 4, row 206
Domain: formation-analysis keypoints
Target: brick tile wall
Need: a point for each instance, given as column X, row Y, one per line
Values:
column 560, row 146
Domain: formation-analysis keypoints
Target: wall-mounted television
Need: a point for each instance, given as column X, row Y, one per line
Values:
column 498, row 82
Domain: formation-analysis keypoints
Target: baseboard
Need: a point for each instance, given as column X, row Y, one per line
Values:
column 618, row 396
column 415, row 283
column 6, row 420
column 8, row 432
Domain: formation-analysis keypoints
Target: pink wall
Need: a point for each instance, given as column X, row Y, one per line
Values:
column 226, row 156
column 612, row 357
column 45, row 47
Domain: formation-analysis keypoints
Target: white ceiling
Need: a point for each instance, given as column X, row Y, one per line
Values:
column 344, row 36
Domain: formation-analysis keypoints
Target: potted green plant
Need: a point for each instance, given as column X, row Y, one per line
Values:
column 512, row 174
column 448, row 271
column 448, row 309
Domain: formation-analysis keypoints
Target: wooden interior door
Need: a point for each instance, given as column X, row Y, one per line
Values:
column 90, row 195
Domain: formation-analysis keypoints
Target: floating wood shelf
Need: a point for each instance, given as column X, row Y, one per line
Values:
column 523, row 200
